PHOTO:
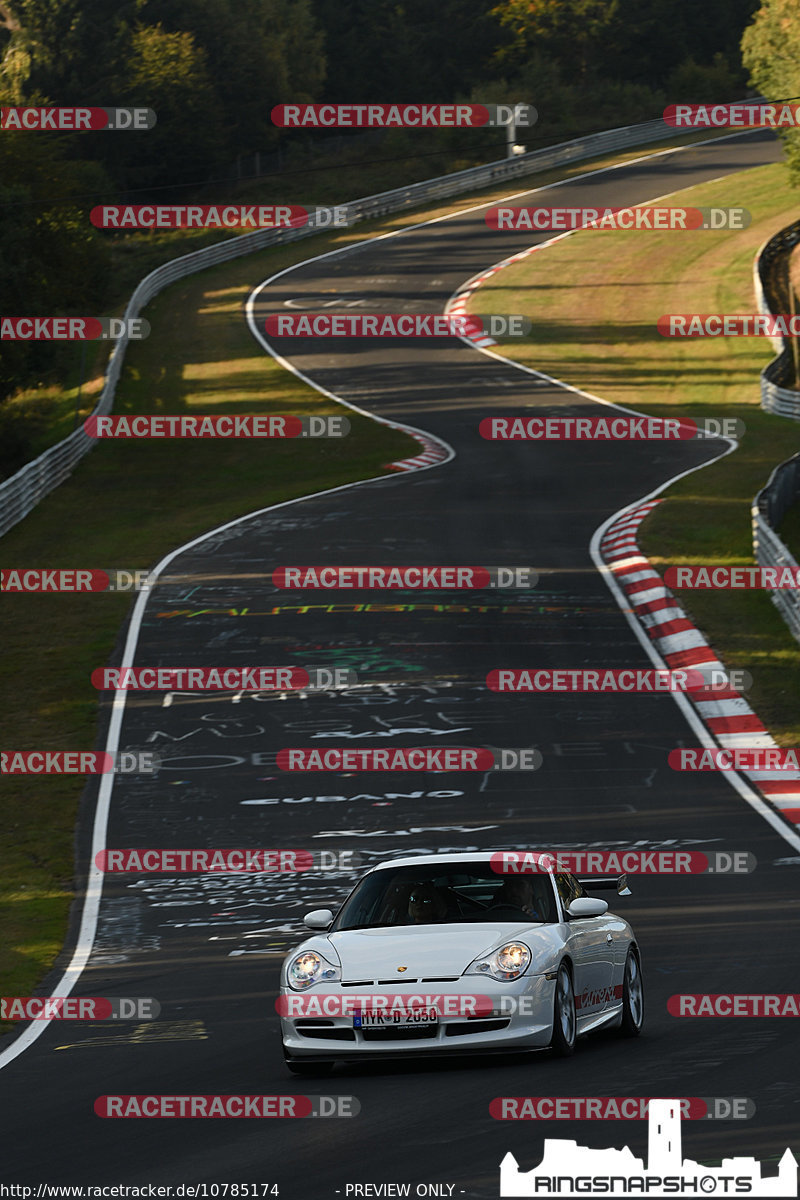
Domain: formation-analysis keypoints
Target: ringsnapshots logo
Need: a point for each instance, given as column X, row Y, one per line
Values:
column 78, row 762
column 67, row 119
column 244, row 425
column 560, row 220
column 73, row 329
column 745, row 115
column 403, row 116
column 608, row 429
column 397, row 325
column 568, row 1169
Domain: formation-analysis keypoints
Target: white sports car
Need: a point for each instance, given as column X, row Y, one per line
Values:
column 443, row 954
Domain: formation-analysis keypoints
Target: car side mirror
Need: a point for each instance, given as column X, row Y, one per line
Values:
column 320, row 918
column 587, row 906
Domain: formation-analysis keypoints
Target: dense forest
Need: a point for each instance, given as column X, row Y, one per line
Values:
column 213, row 69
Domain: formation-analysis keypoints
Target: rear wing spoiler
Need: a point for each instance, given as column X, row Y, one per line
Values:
column 618, row 884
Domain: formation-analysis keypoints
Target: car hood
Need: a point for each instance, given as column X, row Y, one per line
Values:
column 428, row 951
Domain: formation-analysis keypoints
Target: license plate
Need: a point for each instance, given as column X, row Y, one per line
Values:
column 411, row 1018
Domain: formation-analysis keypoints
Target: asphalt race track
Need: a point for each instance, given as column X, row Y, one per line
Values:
column 208, row 948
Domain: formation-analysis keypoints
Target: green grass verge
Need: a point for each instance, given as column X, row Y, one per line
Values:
column 129, row 504
column 594, row 299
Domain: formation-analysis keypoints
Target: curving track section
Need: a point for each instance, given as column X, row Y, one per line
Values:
column 208, row 948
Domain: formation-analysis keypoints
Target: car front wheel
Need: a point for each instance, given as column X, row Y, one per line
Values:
column 564, row 1019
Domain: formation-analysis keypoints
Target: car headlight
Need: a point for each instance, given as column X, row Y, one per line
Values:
column 308, row 968
column 509, row 962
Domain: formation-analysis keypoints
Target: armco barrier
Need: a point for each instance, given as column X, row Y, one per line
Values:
column 768, row 510
column 23, row 491
column 781, row 491
column 778, row 395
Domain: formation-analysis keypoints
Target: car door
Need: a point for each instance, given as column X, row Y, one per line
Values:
column 591, row 945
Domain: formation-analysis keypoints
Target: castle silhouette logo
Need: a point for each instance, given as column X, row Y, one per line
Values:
column 568, row 1169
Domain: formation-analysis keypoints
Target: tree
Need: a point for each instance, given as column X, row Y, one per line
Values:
column 69, row 49
column 630, row 41
column 573, row 32
column 771, row 53
column 168, row 73
column 259, row 53
column 52, row 261
column 411, row 50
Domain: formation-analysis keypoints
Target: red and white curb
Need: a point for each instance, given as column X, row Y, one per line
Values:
column 728, row 717
column 433, row 451
column 459, row 300
column 457, row 305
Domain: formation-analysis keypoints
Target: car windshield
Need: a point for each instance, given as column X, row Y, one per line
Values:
column 437, row 894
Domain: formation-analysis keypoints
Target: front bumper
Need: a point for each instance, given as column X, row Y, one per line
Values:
column 521, row 1018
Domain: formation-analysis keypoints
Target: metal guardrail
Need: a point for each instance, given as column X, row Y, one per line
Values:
column 778, row 395
column 23, row 491
column 781, row 490
column 768, row 510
